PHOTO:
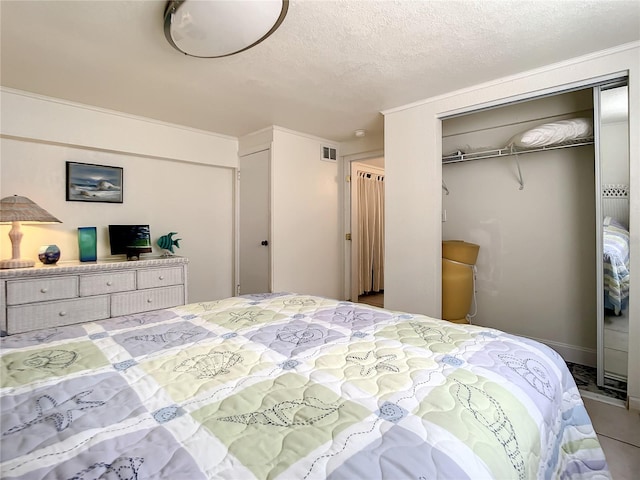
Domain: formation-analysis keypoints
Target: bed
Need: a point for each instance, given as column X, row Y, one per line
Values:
column 615, row 240
column 287, row 386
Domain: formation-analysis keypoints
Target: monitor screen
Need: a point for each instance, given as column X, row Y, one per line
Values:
column 131, row 240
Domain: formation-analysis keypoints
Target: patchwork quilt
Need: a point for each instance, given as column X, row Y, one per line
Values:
column 616, row 266
column 286, row 386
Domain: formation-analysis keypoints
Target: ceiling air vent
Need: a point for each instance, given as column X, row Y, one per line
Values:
column 329, row 154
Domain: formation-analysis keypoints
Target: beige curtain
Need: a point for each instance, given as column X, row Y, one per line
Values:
column 371, row 232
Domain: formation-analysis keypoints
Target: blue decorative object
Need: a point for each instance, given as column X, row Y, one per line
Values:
column 167, row 242
column 122, row 366
column 289, row 364
column 391, row 412
column 167, row 414
column 96, row 336
column 87, row 244
column 49, row 254
column 453, row 361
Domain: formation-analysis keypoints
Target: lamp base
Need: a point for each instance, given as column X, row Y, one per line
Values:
column 16, row 263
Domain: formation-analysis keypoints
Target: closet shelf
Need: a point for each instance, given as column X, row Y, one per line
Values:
column 506, row 151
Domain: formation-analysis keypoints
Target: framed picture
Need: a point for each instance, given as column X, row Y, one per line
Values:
column 94, row 183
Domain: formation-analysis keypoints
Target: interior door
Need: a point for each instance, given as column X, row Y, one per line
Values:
column 254, row 222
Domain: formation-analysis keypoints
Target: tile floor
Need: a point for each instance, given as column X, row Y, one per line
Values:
column 618, row 430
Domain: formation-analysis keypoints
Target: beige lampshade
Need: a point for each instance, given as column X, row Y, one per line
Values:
column 21, row 209
column 18, row 209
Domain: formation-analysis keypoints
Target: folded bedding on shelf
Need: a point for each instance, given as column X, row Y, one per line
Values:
column 553, row 133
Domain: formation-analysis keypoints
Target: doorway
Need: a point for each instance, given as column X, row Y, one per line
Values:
column 367, row 231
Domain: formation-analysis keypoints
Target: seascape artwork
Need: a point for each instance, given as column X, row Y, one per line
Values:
column 94, row 183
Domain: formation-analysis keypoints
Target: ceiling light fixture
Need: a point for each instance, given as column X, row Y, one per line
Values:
column 360, row 133
column 218, row 28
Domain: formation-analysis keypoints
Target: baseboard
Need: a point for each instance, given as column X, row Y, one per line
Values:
column 633, row 403
column 572, row 353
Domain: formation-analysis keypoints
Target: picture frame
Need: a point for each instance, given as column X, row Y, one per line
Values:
column 87, row 182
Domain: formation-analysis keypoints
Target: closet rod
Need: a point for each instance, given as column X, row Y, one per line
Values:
column 371, row 175
column 507, row 151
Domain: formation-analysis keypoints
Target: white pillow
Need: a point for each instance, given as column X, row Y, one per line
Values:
column 554, row 132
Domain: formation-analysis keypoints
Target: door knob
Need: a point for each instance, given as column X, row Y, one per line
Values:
column 264, row 242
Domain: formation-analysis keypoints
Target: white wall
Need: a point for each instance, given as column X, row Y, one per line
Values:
column 358, row 146
column 413, row 206
column 413, row 150
column 191, row 194
column 306, row 245
column 256, row 141
column 535, row 243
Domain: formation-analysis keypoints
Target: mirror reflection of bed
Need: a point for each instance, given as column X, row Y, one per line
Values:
column 616, row 287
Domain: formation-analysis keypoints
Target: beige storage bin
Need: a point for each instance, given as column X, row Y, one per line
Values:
column 460, row 251
column 457, row 279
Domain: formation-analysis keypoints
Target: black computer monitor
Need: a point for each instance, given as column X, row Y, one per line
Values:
column 130, row 240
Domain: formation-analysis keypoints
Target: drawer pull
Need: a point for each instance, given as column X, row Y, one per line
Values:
column 149, row 300
column 44, row 290
column 161, row 277
column 109, row 283
column 62, row 313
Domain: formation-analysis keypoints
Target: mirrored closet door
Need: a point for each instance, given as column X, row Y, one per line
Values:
column 612, row 205
column 552, row 224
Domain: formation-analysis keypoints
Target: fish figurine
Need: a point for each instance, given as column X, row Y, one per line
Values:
column 167, row 242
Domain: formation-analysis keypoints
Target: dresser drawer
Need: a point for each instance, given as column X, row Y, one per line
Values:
column 41, row 289
column 159, row 277
column 107, row 283
column 146, row 300
column 24, row 318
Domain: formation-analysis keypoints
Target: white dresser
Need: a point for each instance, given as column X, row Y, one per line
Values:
column 73, row 292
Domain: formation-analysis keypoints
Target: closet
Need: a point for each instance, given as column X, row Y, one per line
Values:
column 536, row 214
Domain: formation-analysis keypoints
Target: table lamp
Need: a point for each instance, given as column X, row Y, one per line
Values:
column 18, row 209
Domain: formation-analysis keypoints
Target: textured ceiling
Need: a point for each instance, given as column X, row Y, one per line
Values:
column 329, row 70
